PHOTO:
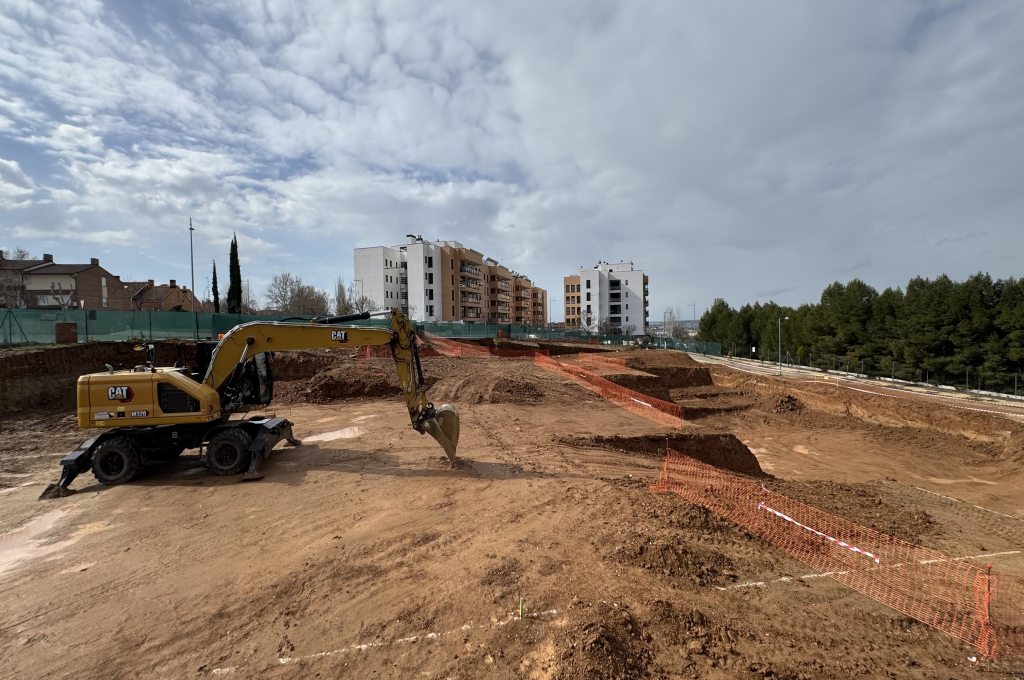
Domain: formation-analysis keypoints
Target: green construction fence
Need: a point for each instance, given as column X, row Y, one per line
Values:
column 39, row 326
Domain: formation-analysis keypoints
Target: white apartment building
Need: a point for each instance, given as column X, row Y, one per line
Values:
column 445, row 281
column 607, row 297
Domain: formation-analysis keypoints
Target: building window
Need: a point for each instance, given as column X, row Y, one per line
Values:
column 627, row 305
column 588, row 309
column 430, row 293
column 588, row 283
column 430, row 310
column 588, row 296
column 430, row 264
column 568, row 288
column 430, row 279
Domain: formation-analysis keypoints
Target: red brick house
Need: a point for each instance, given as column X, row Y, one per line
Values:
column 166, row 297
column 45, row 284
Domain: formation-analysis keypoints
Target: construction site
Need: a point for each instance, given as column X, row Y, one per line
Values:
column 612, row 513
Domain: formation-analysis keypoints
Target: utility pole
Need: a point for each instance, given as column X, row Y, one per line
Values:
column 780, row 341
column 192, row 265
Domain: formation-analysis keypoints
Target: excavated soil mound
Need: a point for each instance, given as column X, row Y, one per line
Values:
column 722, row 450
column 645, row 383
column 604, row 642
column 676, row 561
column 457, row 380
column 337, row 384
column 45, row 377
column 786, row 403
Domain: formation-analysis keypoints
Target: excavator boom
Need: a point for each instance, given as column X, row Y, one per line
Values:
column 246, row 340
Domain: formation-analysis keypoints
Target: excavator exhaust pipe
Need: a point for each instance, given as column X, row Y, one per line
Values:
column 444, row 427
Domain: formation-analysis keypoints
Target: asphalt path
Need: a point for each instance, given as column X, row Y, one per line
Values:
column 968, row 401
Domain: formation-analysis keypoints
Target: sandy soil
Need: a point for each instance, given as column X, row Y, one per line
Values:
column 361, row 554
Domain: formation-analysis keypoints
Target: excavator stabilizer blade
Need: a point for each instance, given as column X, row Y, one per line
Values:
column 444, row 427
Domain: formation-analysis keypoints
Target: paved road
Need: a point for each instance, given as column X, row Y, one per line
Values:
column 1012, row 408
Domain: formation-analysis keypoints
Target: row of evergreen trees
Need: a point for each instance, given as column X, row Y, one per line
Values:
column 234, row 300
column 937, row 330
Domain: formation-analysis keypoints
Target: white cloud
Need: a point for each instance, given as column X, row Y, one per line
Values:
column 700, row 140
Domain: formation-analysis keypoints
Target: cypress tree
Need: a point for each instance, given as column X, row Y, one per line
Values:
column 216, row 293
column 235, row 279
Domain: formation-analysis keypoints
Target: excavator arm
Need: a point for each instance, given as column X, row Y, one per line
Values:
column 247, row 340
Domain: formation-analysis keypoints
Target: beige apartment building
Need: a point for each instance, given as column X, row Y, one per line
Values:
column 434, row 281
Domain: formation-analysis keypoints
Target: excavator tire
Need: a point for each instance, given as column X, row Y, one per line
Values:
column 228, row 452
column 116, row 461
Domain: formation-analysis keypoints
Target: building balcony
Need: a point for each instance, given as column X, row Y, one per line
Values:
column 470, row 313
column 499, row 283
column 504, row 306
column 470, row 269
column 471, row 298
column 469, row 283
column 500, row 296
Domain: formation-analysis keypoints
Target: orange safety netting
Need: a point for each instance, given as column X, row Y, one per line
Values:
column 948, row 593
column 661, row 412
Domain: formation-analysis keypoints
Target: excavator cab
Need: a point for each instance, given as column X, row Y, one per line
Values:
column 257, row 380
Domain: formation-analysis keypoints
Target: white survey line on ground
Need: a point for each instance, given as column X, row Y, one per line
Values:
column 807, row 577
column 425, row 637
column 973, row 505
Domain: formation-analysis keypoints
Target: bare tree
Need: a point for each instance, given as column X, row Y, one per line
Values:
column 360, row 303
column 11, row 282
column 250, row 303
column 629, row 329
column 288, row 294
column 16, row 254
column 342, row 305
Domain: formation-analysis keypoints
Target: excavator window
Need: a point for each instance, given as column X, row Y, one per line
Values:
column 173, row 400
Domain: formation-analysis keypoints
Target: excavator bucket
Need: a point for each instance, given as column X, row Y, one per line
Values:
column 444, row 427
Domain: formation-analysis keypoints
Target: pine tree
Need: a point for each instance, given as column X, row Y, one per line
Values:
column 216, row 292
column 234, row 279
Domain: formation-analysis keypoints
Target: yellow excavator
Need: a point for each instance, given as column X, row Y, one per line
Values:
column 150, row 414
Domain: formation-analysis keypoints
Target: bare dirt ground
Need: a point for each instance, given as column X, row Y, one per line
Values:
column 361, row 554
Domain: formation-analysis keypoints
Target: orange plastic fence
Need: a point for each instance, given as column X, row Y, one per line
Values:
column 950, row 594
column 661, row 412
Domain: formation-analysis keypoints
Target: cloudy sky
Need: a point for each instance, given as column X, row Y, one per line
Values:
column 746, row 150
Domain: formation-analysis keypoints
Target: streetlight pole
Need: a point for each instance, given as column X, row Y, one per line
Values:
column 781, row 319
column 551, row 302
column 192, row 266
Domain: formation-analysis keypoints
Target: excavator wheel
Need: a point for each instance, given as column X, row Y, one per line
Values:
column 228, row 452
column 116, row 461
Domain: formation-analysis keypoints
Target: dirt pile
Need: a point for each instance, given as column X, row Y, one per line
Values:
column 455, row 380
column 605, row 642
column 680, row 564
column 786, row 403
column 337, row 384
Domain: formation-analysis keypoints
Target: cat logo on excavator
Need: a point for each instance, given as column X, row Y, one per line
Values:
column 339, row 336
column 121, row 393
